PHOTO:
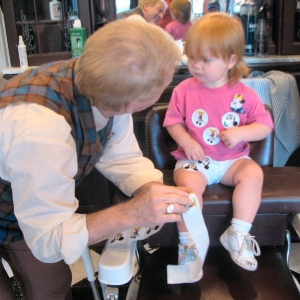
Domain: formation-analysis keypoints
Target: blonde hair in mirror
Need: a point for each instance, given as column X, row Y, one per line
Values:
column 222, row 36
column 181, row 9
column 124, row 61
column 152, row 3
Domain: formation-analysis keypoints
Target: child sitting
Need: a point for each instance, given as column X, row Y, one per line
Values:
column 181, row 15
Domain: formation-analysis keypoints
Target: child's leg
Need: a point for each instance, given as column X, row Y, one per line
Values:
column 187, row 251
column 195, row 180
column 247, row 177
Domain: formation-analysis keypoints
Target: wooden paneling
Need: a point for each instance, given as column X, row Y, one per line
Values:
column 89, row 14
column 290, row 35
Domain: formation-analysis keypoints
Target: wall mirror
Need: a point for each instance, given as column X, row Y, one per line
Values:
column 197, row 5
column 124, row 5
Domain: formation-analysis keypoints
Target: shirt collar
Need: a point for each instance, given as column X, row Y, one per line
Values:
column 100, row 120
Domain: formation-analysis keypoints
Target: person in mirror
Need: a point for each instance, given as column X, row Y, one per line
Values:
column 215, row 5
column 151, row 10
column 181, row 14
column 213, row 116
column 167, row 16
column 58, row 122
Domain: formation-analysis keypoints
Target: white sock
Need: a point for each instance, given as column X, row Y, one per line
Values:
column 241, row 225
column 185, row 238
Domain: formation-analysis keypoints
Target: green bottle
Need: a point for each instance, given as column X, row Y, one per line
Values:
column 78, row 38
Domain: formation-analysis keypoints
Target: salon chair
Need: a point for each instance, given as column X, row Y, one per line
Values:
column 222, row 278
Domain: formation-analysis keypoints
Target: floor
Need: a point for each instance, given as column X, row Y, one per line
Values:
column 81, row 288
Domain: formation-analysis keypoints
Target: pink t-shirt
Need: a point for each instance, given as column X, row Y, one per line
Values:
column 178, row 30
column 205, row 112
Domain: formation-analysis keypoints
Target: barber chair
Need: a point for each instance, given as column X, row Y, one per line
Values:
column 222, row 279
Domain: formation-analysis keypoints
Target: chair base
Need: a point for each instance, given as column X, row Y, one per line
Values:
column 222, row 278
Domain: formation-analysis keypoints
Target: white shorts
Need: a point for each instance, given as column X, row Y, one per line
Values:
column 213, row 170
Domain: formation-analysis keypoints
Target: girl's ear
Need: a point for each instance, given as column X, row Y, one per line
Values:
column 232, row 61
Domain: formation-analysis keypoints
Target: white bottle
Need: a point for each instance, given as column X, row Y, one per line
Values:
column 22, row 53
column 55, row 10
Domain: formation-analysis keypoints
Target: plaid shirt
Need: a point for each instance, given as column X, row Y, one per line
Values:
column 52, row 86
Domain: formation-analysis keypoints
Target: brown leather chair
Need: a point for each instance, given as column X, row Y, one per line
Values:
column 222, row 278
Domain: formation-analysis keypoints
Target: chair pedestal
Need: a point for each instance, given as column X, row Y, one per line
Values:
column 116, row 266
column 222, row 278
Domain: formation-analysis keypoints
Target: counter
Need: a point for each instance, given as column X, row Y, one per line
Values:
column 285, row 63
column 269, row 61
column 273, row 59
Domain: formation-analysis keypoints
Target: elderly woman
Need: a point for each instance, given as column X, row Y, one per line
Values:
column 151, row 10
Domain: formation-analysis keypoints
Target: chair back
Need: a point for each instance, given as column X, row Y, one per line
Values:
column 159, row 143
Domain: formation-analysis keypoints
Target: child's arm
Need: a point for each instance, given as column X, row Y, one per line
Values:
column 247, row 133
column 190, row 146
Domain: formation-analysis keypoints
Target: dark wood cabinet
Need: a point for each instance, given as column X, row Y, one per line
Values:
column 46, row 39
column 284, row 18
column 290, row 37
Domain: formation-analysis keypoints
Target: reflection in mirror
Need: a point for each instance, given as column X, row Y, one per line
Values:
column 125, row 5
column 197, row 7
column 122, row 5
column 71, row 7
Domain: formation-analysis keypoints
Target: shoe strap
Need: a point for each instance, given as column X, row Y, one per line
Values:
column 252, row 244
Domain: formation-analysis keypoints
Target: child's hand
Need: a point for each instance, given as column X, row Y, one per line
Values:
column 231, row 137
column 193, row 150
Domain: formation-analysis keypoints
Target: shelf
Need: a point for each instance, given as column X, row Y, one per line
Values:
column 45, row 21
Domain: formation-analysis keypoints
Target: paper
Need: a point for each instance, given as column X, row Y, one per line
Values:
column 195, row 224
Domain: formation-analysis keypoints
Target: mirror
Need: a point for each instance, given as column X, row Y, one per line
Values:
column 124, row 5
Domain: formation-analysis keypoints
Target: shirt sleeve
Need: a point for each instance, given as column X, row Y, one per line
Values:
column 123, row 162
column 176, row 109
column 38, row 157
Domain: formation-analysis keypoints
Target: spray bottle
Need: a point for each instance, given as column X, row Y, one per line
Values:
column 22, row 53
column 261, row 36
column 78, row 38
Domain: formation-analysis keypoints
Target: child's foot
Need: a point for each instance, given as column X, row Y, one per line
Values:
column 186, row 254
column 242, row 248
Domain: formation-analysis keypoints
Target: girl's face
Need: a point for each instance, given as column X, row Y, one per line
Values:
column 211, row 71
